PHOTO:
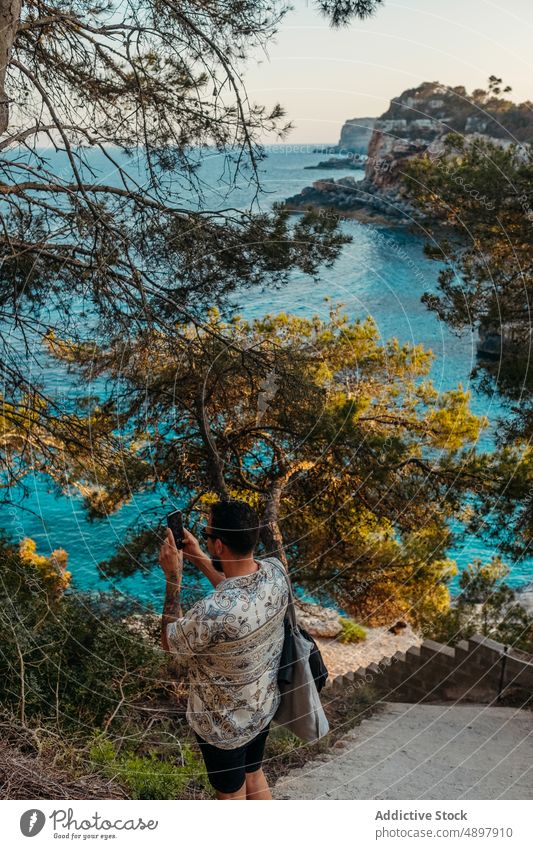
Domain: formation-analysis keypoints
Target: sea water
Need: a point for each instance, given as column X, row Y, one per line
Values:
column 383, row 273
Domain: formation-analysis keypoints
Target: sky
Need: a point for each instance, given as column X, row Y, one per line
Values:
column 323, row 76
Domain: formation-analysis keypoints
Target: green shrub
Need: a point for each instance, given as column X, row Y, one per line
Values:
column 351, row 632
column 149, row 776
column 67, row 657
column 486, row 605
column 281, row 741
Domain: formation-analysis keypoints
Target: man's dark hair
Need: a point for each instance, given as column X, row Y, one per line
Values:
column 237, row 524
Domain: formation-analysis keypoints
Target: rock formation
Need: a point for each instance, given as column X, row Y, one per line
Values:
column 317, row 620
column 415, row 124
column 356, row 134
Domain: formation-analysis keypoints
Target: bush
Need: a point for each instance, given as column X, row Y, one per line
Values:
column 351, row 631
column 147, row 776
column 67, row 657
column 281, row 741
column 486, row 605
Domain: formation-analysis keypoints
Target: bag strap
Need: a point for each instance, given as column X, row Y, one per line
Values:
column 291, row 609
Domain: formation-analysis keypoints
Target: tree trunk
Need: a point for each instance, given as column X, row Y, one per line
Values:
column 270, row 531
column 9, row 23
column 215, row 470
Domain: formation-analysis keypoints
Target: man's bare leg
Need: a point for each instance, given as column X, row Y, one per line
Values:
column 256, row 785
column 239, row 794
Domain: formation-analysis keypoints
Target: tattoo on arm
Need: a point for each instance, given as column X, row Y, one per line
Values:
column 172, row 607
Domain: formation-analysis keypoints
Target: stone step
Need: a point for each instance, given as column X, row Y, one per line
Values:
column 424, row 751
column 476, row 669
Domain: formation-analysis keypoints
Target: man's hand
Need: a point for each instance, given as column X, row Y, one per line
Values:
column 191, row 547
column 170, row 558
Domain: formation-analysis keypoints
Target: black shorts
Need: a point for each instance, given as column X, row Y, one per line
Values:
column 227, row 768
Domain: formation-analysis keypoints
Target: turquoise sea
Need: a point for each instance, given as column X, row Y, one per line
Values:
column 382, row 273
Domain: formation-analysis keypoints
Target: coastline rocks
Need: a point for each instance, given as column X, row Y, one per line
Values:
column 508, row 337
column 415, row 125
column 340, row 162
column 318, row 621
column 360, row 196
column 524, row 596
column 147, row 626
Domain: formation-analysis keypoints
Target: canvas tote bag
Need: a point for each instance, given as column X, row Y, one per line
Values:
column 300, row 709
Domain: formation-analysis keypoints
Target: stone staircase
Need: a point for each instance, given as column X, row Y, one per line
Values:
column 438, row 731
column 423, row 751
column 478, row 670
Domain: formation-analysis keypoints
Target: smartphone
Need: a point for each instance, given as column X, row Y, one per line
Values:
column 175, row 523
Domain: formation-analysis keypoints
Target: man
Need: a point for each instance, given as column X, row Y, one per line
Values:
column 231, row 641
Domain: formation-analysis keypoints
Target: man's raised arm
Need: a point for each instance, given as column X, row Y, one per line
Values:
column 193, row 553
column 171, row 561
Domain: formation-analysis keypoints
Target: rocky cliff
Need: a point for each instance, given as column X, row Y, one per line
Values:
column 356, row 134
column 416, row 124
